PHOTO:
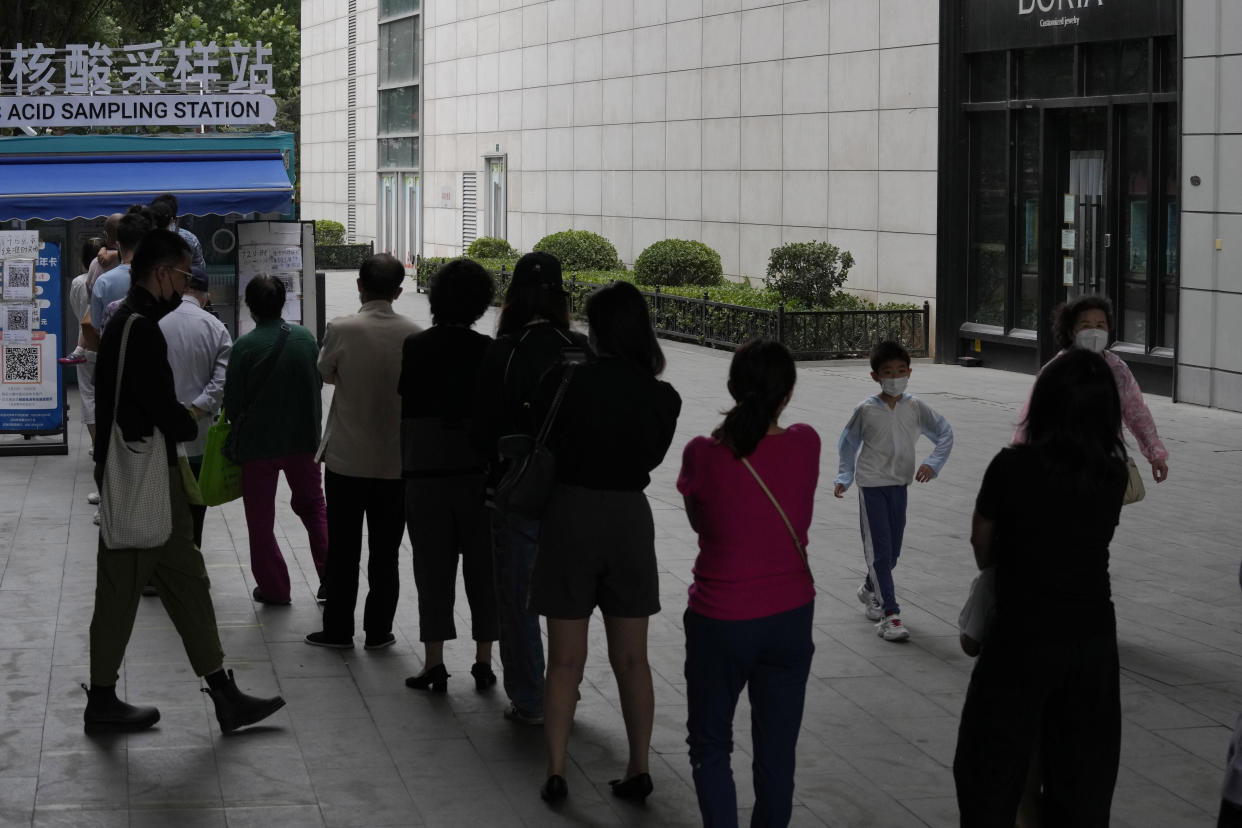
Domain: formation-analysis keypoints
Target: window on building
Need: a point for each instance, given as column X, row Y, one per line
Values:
column 1171, row 213
column 989, row 202
column 399, row 102
column 398, row 111
column 399, row 98
column 392, row 8
column 399, row 52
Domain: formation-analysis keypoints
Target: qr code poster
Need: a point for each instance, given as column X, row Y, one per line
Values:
column 18, row 322
column 19, row 280
column 22, row 364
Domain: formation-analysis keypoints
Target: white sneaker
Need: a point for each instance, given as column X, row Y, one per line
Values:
column 95, row 519
column 891, row 628
column 873, row 610
column 93, row 498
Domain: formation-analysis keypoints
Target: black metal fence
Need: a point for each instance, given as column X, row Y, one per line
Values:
column 342, row 256
column 818, row 334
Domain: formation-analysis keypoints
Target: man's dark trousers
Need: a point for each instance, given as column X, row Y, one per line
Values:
column 383, row 504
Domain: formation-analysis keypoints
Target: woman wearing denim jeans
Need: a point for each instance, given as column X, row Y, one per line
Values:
column 752, row 602
column 532, row 332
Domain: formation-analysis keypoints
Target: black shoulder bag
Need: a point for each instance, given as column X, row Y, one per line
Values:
column 232, row 443
column 527, row 483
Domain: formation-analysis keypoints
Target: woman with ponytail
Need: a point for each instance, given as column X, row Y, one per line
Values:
column 749, row 491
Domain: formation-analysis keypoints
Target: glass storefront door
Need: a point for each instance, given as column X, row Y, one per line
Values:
column 1081, row 139
column 1059, row 178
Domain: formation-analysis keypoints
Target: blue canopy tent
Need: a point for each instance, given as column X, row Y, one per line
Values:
column 87, row 176
column 69, row 187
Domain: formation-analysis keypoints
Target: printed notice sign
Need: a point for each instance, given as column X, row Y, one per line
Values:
column 19, row 243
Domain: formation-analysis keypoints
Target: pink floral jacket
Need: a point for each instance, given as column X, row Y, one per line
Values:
column 1134, row 412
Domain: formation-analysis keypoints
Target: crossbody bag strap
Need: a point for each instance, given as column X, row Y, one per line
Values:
column 120, row 364
column 797, row 542
column 546, row 428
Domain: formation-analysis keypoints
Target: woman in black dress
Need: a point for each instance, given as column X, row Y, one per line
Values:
column 1048, row 671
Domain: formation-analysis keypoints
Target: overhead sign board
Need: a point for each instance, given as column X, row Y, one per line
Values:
column 128, row 110
column 989, row 25
column 145, row 84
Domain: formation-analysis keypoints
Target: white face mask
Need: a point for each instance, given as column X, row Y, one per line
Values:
column 1092, row 339
column 894, row 386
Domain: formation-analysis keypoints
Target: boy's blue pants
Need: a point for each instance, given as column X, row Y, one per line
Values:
column 882, row 515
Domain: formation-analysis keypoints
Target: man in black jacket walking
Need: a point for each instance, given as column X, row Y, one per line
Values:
column 160, row 271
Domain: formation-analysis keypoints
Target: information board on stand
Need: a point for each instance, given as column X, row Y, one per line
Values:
column 286, row 250
column 32, row 392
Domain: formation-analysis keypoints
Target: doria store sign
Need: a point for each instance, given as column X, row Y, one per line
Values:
column 146, row 84
column 1017, row 24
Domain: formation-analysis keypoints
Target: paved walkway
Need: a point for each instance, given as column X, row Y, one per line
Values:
column 355, row 747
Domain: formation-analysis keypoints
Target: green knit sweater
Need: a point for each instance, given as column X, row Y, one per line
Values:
column 283, row 415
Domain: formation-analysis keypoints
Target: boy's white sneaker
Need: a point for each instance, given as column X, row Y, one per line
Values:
column 868, row 599
column 891, row 628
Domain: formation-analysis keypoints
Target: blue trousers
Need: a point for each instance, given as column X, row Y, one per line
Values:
column 882, row 515
column 771, row 657
column 515, row 540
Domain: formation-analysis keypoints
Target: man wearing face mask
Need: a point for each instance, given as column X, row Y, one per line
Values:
column 147, row 401
column 1086, row 323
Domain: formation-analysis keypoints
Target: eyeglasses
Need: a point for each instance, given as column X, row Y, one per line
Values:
column 188, row 276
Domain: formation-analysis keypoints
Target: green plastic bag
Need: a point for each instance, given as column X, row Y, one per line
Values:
column 219, row 480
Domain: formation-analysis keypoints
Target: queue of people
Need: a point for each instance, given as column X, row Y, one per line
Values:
column 471, row 415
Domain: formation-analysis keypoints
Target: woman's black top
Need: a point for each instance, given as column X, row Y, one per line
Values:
column 439, row 374
column 1050, row 545
column 614, row 426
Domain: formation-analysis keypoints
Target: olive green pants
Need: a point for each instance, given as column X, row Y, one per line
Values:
column 177, row 570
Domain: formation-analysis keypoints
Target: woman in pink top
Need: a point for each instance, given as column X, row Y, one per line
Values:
column 1085, row 323
column 753, row 598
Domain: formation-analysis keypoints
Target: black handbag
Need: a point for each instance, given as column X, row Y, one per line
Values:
column 527, row 483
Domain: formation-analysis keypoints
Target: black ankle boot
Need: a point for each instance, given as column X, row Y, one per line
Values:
column 235, row 709
column 105, row 713
column 434, row 679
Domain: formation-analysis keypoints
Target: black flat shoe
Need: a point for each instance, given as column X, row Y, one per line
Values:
column 554, row 790
column 637, row 788
column 483, row 676
column 434, row 679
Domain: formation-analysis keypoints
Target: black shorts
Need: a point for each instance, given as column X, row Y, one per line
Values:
column 596, row 548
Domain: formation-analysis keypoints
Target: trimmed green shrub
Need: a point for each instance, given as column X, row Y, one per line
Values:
column 808, row 273
column 490, row 247
column 580, row 250
column 329, row 232
column 675, row 262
